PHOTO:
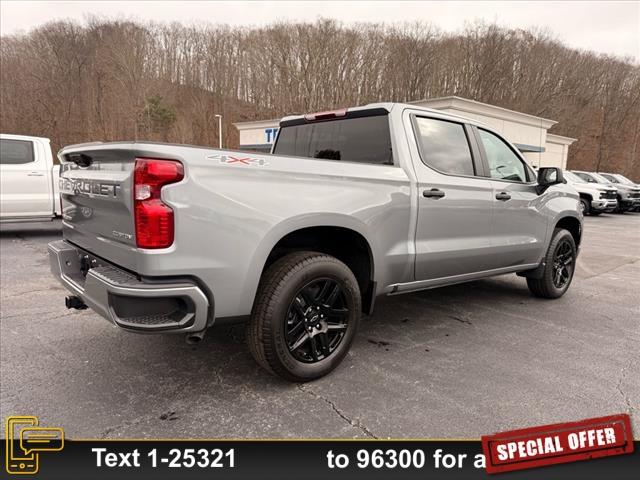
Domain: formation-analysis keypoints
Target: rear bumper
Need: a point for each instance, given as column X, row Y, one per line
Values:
column 126, row 301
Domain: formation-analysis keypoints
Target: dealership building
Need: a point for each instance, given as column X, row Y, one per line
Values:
column 527, row 132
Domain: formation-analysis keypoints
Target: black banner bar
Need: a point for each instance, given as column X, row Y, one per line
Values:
column 297, row 460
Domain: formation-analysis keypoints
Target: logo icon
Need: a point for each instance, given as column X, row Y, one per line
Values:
column 25, row 440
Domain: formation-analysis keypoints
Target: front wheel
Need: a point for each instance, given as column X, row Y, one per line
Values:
column 305, row 316
column 585, row 206
column 560, row 261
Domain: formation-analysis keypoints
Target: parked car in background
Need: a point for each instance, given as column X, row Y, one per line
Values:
column 629, row 191
column 594, row 197
column 29, row 180
column 620, row 178
column 352, row 204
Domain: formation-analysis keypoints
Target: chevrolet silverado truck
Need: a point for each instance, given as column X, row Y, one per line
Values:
column 349, row 206
column 620, row 180
column 598, row 180
column 628, row 193
column 595, row 198
column 28, row 180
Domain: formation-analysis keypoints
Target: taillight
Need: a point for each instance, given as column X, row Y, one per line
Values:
column 153, row 218
column 314, row 117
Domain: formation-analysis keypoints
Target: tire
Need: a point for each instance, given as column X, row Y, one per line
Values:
column 586, row 207
column 619, row 209
column 594, row 213
column 548, row 286
column 294, row 304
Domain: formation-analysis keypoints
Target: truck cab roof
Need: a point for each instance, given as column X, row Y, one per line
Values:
column 11, row 136
column 388, row 106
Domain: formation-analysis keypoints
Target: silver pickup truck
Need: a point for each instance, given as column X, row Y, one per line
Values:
column 351, row 205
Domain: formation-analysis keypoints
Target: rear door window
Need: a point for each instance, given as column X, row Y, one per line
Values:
column 360, row 139
column 444, row 146
column 15, row 152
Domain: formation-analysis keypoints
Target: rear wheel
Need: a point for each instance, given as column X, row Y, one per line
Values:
column 560, row 261
column 305, row 316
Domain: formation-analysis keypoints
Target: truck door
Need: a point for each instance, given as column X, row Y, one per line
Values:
column 519, row 226
column 455, row 199
column 26, row 189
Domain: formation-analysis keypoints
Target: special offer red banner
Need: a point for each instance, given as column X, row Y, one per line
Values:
column 558, row 443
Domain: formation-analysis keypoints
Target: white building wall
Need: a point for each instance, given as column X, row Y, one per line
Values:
column 533, row 158
column 257, row 133
column 556, row 151
column 553, row 156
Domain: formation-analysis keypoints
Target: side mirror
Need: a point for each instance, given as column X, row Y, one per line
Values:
column 548, row 176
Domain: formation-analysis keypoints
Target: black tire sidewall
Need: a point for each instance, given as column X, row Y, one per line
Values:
column 560, row 235
column 333, row 270
column 586, row 206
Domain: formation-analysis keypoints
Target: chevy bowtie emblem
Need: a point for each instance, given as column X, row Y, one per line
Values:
column 238, row 160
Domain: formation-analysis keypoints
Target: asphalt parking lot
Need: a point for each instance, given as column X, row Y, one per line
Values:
column 455, row 362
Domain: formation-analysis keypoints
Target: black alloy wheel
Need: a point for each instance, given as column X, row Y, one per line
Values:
column 562, row 264
column 557, row 268
column 305, row 315
column 316, row 320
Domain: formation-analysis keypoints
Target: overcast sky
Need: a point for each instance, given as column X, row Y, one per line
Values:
column 607, row 27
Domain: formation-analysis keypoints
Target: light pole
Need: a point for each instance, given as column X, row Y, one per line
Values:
column 219, row 117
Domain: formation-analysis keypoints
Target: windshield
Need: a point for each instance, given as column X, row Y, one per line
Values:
column 599, row 178
column 586, row 177
column 572, row 177
column 624, row 179
column 610, row 177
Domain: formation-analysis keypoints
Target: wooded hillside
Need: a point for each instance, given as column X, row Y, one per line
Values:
column 114, row 80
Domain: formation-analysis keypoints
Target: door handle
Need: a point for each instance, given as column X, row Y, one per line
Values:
column 433, row 193
column 504, row 196
column 35, row 174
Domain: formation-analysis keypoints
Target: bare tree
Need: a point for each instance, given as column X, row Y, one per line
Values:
column 111, row 79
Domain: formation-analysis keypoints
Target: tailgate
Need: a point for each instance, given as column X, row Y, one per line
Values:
column 97, row 202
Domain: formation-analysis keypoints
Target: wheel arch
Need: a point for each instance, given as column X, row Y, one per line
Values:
column 568, row 221
column 340, row 236
column 573, row 225
column 586, row 196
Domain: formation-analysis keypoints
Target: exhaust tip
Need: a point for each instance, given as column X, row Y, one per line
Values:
column 195, row 338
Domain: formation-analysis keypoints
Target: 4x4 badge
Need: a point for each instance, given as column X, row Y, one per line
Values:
column 240, row 160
